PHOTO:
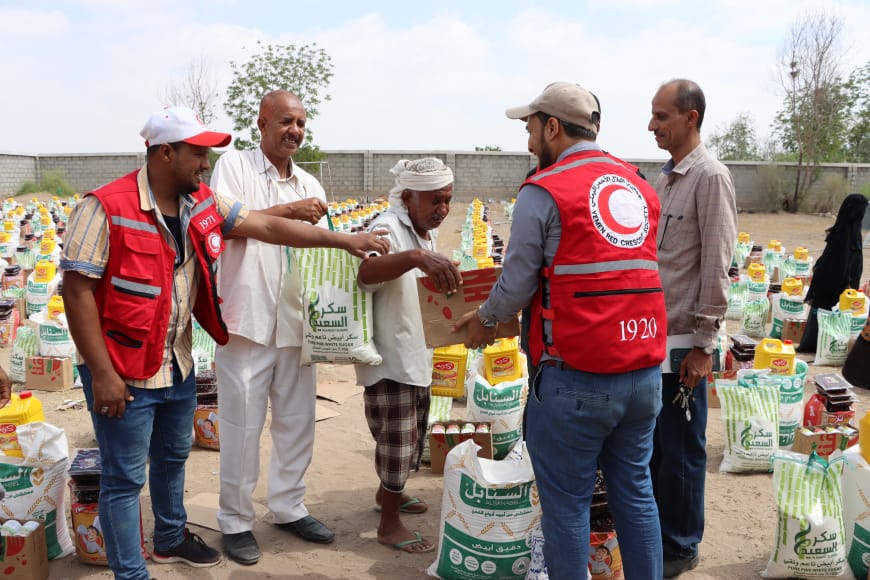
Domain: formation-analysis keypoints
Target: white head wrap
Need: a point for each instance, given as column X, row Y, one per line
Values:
column 427, row 174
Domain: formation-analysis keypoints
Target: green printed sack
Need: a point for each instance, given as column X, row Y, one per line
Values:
column 337, row 315
column 203, row 348
column 489, row 510
column 754, row 318
column 856, row 510
column 751, row 417
column 832, row 345
column 810, row 536
column 791, row 396
column 736, row 299
column 35, row 485
column 500, row 405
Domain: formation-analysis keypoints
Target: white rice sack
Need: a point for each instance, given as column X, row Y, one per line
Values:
column 37, row 293
column 501, row 405
column 36, row 484
column 337, row 315
column 202, row 349
column 736, row 299
column 832, row 345
column 785, row 306
column 858, row 319
column 754, row 318
column 54, row 337
column 488, row 512
column 856, row 510
column 810, row 537
column 26, row 344
column 757, row 290
column 791, row 404
column 751, row 417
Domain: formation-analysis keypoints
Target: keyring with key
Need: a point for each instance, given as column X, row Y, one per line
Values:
column 684, row 397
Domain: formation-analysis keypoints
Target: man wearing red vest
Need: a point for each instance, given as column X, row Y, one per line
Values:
column 138, row 258
column 582, row 251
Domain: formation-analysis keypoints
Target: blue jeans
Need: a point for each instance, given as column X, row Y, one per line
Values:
column 679, row 469
column 576, row 422
column 156, row 427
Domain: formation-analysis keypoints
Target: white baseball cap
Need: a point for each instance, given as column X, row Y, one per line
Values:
column 175, row 124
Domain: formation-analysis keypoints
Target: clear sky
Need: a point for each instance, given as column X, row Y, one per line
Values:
column 82, row 75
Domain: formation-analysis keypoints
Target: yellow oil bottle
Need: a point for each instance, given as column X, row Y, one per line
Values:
column 501, row 361
column 22, row 408
column 448, row 371
column 776, row 355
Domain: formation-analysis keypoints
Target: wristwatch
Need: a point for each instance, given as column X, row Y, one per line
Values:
column 708, row 350
column 488, row 322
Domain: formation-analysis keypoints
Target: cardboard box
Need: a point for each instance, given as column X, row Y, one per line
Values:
column 825, row 443
column 440, row 444
column 48, row 373
column 25, row 558
column 440, row 312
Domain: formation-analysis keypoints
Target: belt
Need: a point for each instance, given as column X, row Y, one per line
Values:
column 559, row 364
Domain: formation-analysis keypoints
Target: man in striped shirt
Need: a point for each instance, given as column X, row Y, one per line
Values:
column 138, row 259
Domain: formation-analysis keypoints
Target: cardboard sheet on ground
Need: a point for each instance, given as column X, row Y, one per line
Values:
column 203, row 507
column 441, row 312
column 337, row 392
column 321, row 413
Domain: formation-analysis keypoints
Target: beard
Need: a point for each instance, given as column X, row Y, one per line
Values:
column 545, row 154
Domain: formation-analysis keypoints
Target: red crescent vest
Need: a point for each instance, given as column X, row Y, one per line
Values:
column 602, row 293
column 134, row 294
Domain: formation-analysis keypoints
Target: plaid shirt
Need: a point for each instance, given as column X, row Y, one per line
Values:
column 86, row 251
column 697, row 231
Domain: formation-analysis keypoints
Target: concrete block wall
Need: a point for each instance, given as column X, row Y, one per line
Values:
column 361, row 174
column 15, row 170
column 88, row 172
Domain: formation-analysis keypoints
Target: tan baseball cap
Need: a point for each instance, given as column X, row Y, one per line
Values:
column 567, row 102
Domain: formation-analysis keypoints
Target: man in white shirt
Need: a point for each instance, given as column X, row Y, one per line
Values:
column 397, row 390
column 262, row 307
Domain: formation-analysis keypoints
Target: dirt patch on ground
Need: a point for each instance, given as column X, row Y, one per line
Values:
column 342, row 483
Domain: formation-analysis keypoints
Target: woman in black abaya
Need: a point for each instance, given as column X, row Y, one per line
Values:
column 839, row 267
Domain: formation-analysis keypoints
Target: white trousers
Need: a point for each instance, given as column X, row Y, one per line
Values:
column 250, row 376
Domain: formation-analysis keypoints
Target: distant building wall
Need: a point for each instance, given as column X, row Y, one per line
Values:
column 486, row 174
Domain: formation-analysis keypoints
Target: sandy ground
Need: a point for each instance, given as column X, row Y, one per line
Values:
column 342, row 483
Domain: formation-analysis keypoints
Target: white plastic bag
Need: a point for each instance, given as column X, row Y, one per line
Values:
column 856, row 510
column 337, row 315
column 810, row 537
column 832, row 345
column 751, row 417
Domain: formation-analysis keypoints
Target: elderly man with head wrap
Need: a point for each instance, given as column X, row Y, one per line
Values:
column 397, row 390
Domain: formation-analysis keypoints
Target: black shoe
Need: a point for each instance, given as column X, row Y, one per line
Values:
column 676, row 566
column 241, row 548
column 192, row 551
column 309, row 529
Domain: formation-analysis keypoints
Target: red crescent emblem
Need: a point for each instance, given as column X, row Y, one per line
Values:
column 607, row 216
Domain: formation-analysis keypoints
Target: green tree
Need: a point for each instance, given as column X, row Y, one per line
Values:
column 736, row 141
column 813, row 120
column 303, row 70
